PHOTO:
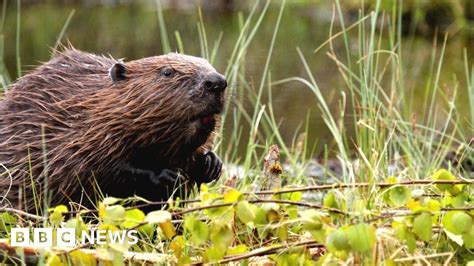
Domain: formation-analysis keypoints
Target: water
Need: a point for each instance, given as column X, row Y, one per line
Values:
column 131, row 31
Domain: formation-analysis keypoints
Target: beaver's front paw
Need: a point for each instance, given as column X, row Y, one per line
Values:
column 169, row 178
column 207, row 168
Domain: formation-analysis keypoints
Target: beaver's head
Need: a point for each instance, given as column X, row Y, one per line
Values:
column 173, row 99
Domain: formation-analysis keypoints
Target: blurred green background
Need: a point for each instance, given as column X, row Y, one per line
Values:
column 130, row 30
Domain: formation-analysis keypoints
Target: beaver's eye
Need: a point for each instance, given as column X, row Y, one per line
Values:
column 167, row 72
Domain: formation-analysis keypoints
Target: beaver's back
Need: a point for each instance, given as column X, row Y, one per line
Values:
column 43, row 105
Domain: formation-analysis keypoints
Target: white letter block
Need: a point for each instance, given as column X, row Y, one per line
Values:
column 20, row 237
column 43, row 237
column 65, row 237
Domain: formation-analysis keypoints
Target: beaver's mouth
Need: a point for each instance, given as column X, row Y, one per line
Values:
column 206, row 118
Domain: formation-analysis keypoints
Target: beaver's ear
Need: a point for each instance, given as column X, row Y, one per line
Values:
column 117, row 72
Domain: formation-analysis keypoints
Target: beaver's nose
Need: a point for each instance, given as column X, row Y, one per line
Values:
column 215, row 82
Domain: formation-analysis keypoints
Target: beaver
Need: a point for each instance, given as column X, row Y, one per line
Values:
column 83, row 125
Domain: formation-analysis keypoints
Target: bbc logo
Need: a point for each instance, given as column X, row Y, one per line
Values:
column 43, row 237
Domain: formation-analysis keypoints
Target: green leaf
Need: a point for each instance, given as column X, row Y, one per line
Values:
column 457, row 222
column 444, row 174
column 119, row 247
column 7, row 221
column 177, row 245
column 60, row 209
column 245, row 212
column 389, row 262
column 105, row 254
column 400, row 230
column 468, row 238
column 114, row 214
column 456, row 189
column 147, row 229
column 56, row 215
column 391, row 180
column 222, row 215
column 296, row 257
column 208, row 197
column 422, row 226
column 311, row 220
column 214, row 254
column 54, row 260
column 79, row 257
column 198, row 230
column 292, row 212
column 414, row 205
column 433, row 205
column 459, row 200
column 55, row 218
column 239, row 249
column 133, row 217
column 77, row 224
column 294, row 196
column 463, row 221
column 312, row 223
column 399, row 195
column 272, row 212
column 411, row 242
column 110, row 201
column 282, row 232
column 221, row 236
column 337, row 240
column 332, row 201
column 260, row 216
column 232, row 195
column 361, row 237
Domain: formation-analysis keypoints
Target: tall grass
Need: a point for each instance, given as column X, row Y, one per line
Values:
column 391, row 136
column 4, row 76
column 376, row 104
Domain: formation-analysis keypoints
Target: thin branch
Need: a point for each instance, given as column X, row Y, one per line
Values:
column 406, row 212
column 470, row 208
column 22, row 213
column 202, row 208
column 302, row 204
column 431, row 256
column 270, row 250
column 362, row 185
column 147, row 204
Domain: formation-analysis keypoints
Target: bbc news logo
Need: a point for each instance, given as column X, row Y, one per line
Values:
column 66, row 237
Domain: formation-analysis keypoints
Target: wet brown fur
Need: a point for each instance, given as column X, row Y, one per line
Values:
column 70, row 116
